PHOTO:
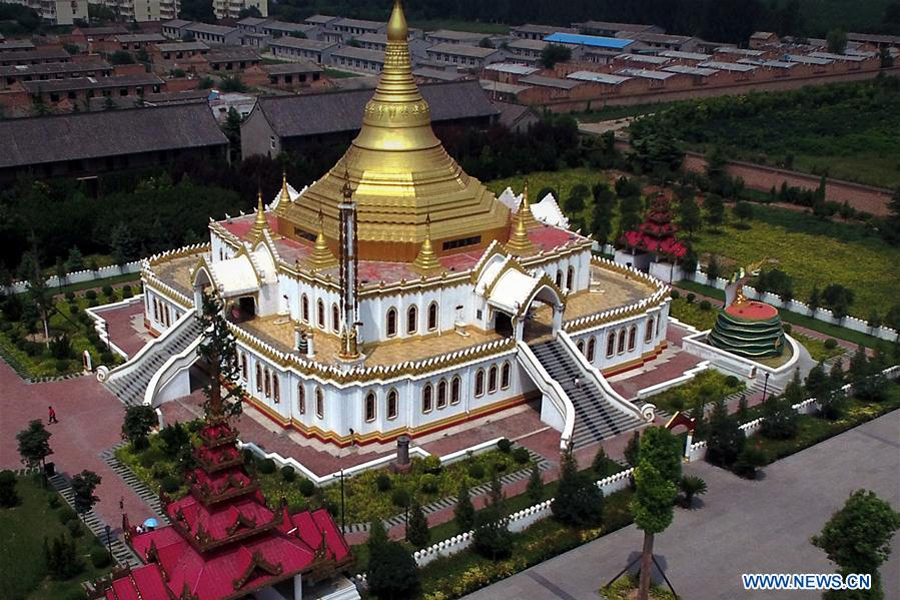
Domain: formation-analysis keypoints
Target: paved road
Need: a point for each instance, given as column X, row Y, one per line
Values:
column 744, row 526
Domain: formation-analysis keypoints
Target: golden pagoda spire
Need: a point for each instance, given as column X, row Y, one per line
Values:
column 519, row 244
column 321, row 257
column 426, row 262
column 530, row 223
column 260, row 224
column 285, row 195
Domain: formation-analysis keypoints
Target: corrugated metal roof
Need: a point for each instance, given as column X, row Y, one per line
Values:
column 685, row 55
column 597, row 77
column 727, row 66
column 685, row 69
column 513, row 68
column 594, row 41
column 646, row 73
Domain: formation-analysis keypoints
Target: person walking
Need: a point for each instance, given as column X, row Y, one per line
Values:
column 51, row 415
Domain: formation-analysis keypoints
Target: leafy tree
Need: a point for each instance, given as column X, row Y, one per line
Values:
column 715, row 210
column 780, row 420
column 600, row 464
column 742, row 408
column 575, row 202
column 838, row 299
column 831, row 404
column 491, row 537
column 175, row 439
column 857, row 538
column 633, row 449
column 61, row 557
column 629, row 214
column 836, row 41
column 83, row 486
column 776, row 281
column 121, row 57
column 836, row 374
column 250, row 11
column 392, row 572
column 689, row 218
column 535, row 487
column 122, row 244
column 860, row 367
column 602, row 212
column 663, row 449
column 34, row 444
column 578, row 500
column 464, row 511
column 554, row 53
column 658, row 153
column 232, row 83
column 219, row 350
column 39, row 293
column 817, row 382
column 652, row 508
column 377, row 535
column 713, row 270
column 197, row 10
column 495, row 496
column 724, row 440
column 486, row 43
column 8, row 495
column 232, row 130
column 75, row 261
column 814, row 301
column 138, row 422
column 417, row 530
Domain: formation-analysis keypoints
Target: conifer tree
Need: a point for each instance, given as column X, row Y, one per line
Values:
column 417, row 530
column 219, row 351
column 535, row 488
column 578, row 500
column 464, row 512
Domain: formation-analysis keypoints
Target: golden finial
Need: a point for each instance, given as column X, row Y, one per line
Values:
column 519, row 244
column 321, row 257
column 347, row 189
column 530, row 223
column 427, row 262
column 397, row 29
column 260, row 224
column 285, row 195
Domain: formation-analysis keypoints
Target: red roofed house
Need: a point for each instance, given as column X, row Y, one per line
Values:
column 225, row 543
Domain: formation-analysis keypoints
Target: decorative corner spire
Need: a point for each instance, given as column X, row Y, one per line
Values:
column 347, row 189
column 519, row 243
column 260, row 224
column 321, row 257
column 285, row 195
column 397, row 29
column 426, row 262
column 525, row 206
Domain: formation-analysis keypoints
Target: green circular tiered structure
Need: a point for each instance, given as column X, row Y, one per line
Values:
column 750, row 329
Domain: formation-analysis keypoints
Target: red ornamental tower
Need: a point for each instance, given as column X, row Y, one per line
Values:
column 224, row 542
column 657, row 234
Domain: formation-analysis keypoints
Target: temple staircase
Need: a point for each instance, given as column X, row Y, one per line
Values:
column 596, row 416
column 129, row 381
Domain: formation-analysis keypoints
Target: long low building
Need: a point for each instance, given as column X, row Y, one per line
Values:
column 45, row 71
column 88, row 144
column 287, row 123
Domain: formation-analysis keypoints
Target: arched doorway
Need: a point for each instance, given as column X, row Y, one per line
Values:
column 503, row 324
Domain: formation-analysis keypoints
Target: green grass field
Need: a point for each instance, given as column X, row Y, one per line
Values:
column 23, row 575
column 564, row 179
column 814, row 253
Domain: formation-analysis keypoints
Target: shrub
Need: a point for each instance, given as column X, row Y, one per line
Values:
column 75, row 594
column 107, row 357
column 749, row 461
column 94, row 303
column 521, row 456
column 464, row 511
column 100, row 558
column 266, row 466
column 383, row 482
column 725, row 440
column 429, row 483
column 491, row 538
column 732, row 381
column 150, row 457
column 417, row 531
column 8, row 496
column 53, row 500
column 61, row 365
column 400, row 498
column 675, row 294
column 780, row 420
column 66, row 515
column 690, row 486
column 504, row 445
column 677, row 403
column 431, row 464
column 159, row 471
column 787, row 328
column 288, row 473
column 705, row 305
column 476, row 471
column 174, row 437
column 691, row 297
column 392, row 572
column 578, row 501
column 307, row 487
column 107, row 291
column 74, row 527
column 170, row 484
column 535, row 488
column 91, row 294
column 70, row 296
column 831, row 344
column 73, row 309
column 499, row 467
column 126, row 292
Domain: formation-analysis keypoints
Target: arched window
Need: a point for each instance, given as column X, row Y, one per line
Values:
column 320, row 314
column 427, row 398
column 559, row 279
column 155, row 309
column 580, row 346
column 455, row 388
column 391, row 322
column 370, row 407
column 504, row 375
column 591, row 349
column 392, row 404
column 632, row 337
column 610, row 344
column 276, row 388
column 304, row 308
column 648, row 335
column 259, row 378
column 268, row 382
column 570, row 279
column 442, row 394
column 658, row 321
column 335, row 318
column 479, row 383
column 320, row 403
column 432, row 316
column 621, row 347
column 492, row 379
column 412, row 320
column 244, row 367
column 301, row 398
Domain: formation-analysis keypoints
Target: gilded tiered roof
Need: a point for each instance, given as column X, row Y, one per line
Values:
column 401, row 174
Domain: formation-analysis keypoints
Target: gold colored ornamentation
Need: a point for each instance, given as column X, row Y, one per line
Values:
column 426, row 262
column 530, row 222
column 260, row 223
column 321, row 257
column 519, row 243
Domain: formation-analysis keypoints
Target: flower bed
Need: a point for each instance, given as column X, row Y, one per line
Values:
column 708, row 386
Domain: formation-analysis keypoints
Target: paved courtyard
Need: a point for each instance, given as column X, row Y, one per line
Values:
column 744, row 526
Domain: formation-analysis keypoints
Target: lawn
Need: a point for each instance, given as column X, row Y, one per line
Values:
column 814, row 253
column 564, row 179
column 22, row 533
column 692, row 313
column 707, row 386
column 816, row 347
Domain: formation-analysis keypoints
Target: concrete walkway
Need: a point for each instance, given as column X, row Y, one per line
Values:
column 743, row 527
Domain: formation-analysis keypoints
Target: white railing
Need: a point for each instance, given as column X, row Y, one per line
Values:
column 19, row 287
column 100, row 323
column 163, row 341
column 646, row 413
column 550, row 389
column 665, row 385
column 175, row 365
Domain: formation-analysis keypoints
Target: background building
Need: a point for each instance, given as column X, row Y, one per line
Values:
column 57, row 12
